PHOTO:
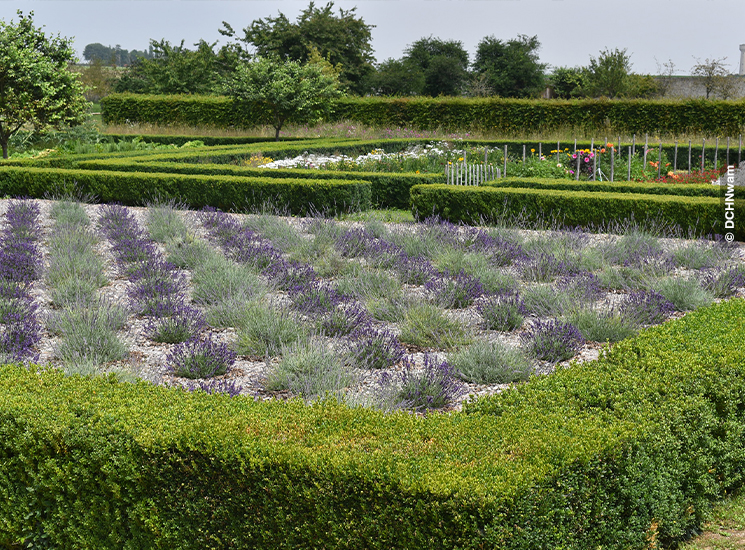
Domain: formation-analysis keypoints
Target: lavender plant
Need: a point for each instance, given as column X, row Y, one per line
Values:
column 426, row 326
column 264, row 331
column 722, row 282
column 200, row 358
column 414, row 270
column 433, row 387
column 316, row 298
column 603, row 325
column 342, row 320
column 502, row 312
column 685, row 294
column 371, row 348
column 214, row 386
column 647, row 307
column 454, row 292
column 310, row 368
column 552, row 340
column 542, row 268
column 486, row 362
column 184, row 323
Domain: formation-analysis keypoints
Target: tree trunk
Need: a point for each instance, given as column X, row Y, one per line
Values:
column 276, row 133
column 5, row 149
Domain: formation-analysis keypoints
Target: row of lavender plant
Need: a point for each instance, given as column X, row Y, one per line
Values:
column 159, row 292
column 86, row 323
column 20, row 266
column 336, row 315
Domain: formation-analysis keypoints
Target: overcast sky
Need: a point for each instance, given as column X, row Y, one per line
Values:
column 570, row 31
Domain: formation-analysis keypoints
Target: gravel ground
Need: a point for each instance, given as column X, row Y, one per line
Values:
column 147, row 359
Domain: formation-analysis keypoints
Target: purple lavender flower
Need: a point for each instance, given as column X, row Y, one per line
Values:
column 316, row 298
column 200, row 358
column 414, row 270
column 214, row 386
column 724, row 282
column 289, row 274
column 542, row 267
column 433, row 388
column 353, row 243
column 647, row 307
column 501, row 252
column 374, row 349
column 552, row 340
column 582, row 287
column 184, row 323
column 502, row 311
column 454, row 292
column 343, row 319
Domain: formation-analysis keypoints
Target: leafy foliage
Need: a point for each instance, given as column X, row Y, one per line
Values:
column 35, row 86
column 511, row 68
column 291, row 90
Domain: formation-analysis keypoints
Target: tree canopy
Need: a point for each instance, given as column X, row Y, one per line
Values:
column 292, row 90
column 511, row 68
column 343, row 39
column 442, row 63
column 36, row 87
column 178, row 70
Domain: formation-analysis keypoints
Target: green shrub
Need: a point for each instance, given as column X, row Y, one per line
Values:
column 613, row 453
column 224, row 192
column 471, row 204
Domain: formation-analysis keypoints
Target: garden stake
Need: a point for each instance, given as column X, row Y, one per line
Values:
column 619, row 148
column 558, row 147
column 633, row 145
column 575, row 145
column 645, row 157
column 576, row 176
column 592, row 144
column 612, row 157
column 523, row 153
column 675, row 157
column 505, row 161
column 716, row 153
column 628, row 176
column 703, row 154
column 739, row 152
column 659, row 162
column 727, row 150
column 594, row 166
column 689, row 156
column 486, row 156
column 540, row 151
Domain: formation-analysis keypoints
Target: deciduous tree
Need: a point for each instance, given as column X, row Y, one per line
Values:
column 715, row 77
column 342, row 38
column 36, row 87
column 292, row 90
column 444, row 64
column 511, row 68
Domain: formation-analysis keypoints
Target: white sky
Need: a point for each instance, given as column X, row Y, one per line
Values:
column 570, row 31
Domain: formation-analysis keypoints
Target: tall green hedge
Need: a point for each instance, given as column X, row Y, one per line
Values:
column 622, row 453
column 716, row 118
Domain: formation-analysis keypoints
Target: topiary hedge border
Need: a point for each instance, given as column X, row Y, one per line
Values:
column 293, row 196
column 624, row 452
column 469, row 204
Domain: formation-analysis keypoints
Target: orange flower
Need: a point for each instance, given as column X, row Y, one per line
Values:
column 602, row 150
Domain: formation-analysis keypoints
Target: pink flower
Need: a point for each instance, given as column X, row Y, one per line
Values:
column 587, row 160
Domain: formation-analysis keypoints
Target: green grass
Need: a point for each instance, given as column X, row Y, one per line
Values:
column 725, row 530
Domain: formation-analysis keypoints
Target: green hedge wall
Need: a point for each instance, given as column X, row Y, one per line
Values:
column 700, row 215
column 686, row 190
column 717, row 118
column 615, row 454
column 294, row 196
column 388, row 190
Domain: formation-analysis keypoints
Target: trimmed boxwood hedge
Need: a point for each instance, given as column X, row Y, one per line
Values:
column 625, row 452
column 643, row 188
column 389, row 190
column 294, row 196
column 468, row 204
